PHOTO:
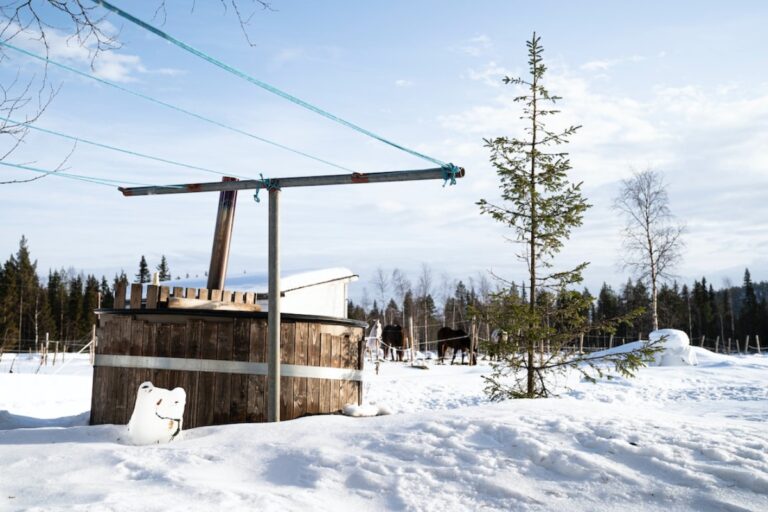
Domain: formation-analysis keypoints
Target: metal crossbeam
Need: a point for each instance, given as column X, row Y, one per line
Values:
column 356, row 178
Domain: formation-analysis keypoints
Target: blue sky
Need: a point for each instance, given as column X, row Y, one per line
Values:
column 677, row 86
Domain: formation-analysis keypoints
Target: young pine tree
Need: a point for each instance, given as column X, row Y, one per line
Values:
column 542, row 207
column 162, row 269
column 143, row 275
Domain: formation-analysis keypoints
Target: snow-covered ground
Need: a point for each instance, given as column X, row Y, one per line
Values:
column 675, row 438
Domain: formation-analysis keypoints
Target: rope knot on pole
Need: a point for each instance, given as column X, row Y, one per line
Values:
column 450, row 171
column 265, row 183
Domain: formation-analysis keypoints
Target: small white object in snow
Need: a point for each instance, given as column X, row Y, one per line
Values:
column 677, row 348
column 157, row 416
column 359, row 411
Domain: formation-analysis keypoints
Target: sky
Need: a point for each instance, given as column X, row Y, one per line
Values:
column 676, row 87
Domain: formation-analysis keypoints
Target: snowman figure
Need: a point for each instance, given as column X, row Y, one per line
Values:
column 157, row 416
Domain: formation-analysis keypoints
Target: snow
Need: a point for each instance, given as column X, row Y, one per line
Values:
column 675, row 438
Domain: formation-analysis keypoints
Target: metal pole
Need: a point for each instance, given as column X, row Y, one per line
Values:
column 273, row 311
column 298, row 181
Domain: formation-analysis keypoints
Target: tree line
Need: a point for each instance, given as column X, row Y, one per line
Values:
column 700, row 310
column 62, row 305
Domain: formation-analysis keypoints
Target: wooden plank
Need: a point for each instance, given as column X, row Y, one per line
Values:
column 250, row 298
column 336, row 385
column 190, row 293
column 257, row 384
column 118, row 395
column 120, row 290
column 136, row 289
column 194, row 341
column 215, row 295
column 179, row 303
column 240, row 351
column 101, row 374
column 313, row 359
column 179, row 336
column 178, row 291
column 300, row 354
column 205, row 393
column 153, row 292
column 287, row 332
column 361, row 363
column 162, row 299
column 162, row 378
column 134, row 376
column 223, row 381
column 325, row 360
column 203, row 294
column 238, row 298
column 226, row 296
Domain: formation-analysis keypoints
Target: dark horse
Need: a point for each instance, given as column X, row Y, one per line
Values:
column 392, row 338
column 457, row 340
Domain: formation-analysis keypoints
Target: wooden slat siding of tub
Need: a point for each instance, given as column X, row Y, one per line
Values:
column 162, row 298
column 347, row 362
column 287, row 333
column 193, row 345
column 206, row 380
column 190, row 293
column 325, row 361
column 249, row 298
column 136, row 291
column 223, row 381
column 313, row 355
column 120, row 290
column 118, row 392
column 215, row 295
column 135, row 376
column 203, row 294
column 162, row 378
column 178, row 291
column 179, row 341
column 153, row 294
column 238, row 298
column 257, row 384
column 336, row 362
column 301, row 346
column 100, row 373
column 238, row 404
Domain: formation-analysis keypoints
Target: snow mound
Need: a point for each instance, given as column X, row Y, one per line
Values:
column 365, row 410
column 157, row 416
column 677, row 348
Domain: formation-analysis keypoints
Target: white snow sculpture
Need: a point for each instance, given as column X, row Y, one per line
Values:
column 157, row 416
column 677, row 348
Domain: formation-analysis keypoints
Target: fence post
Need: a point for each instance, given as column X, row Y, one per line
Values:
column 45, row 357
column 93, row 343
column 717, row 344
column 729, row 345
column 55, row 352
column 757, row 339
column 610, row 341
column 701, row 343
column 473, row 343
column 413, row 340
column 746, row 345
column 581, row 343
column 738, row 348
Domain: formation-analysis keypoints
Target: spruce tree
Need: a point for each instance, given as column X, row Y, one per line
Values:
column 162, row 269
column 143, row 275
column 542, row 206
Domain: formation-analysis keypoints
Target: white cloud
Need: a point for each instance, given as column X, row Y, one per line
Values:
column 477, row 45
column 110, row 65
column 403, row 83
column 605, row 64
column 491, row 75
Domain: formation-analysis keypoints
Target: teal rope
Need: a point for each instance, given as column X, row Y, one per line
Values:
column 259, row 83
column 114, row 148
column 266, row 183
column 450, row 172
column 99, row 181
column 172, row 107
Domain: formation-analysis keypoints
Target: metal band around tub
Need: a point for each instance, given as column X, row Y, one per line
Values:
column 217, row 366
